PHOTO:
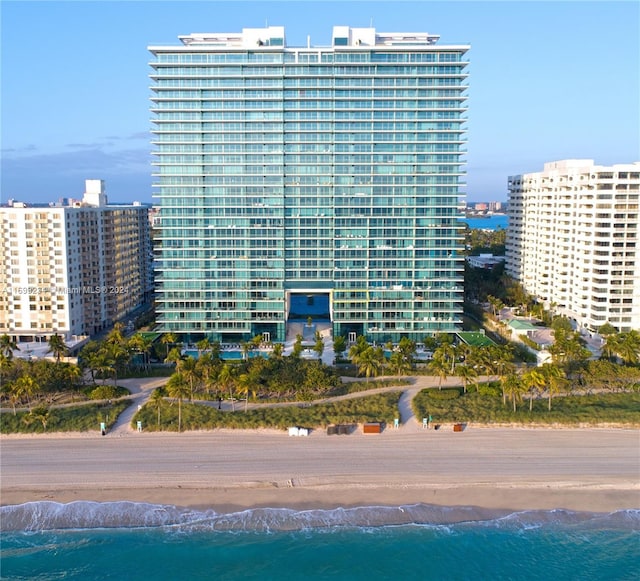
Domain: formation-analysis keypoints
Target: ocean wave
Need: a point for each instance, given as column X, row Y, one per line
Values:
column 48, row 515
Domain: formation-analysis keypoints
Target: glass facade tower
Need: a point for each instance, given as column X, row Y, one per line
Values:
column 320, row 170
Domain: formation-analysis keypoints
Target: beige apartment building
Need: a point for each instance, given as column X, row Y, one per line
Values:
column 73, row 270
column 573, row 241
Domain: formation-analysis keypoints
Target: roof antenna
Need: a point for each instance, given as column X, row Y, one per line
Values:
column 371, row 23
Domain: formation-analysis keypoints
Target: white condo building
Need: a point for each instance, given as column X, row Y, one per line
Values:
column 572, row 240
column 72, row 270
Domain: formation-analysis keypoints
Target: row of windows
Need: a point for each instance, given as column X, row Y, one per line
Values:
column 294, row 69
column 301, row 56
column 179, row 82
column 320, row 158
column 365, row 148
column 399, row 180
column 240, row 93
column 273, row 141
column 168, row 97
column 289, row 127
column 293, row 169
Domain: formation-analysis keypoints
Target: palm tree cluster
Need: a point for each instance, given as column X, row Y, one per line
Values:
column 28, row 382
column 273, row 377
column 115, row 353
column 622, row 346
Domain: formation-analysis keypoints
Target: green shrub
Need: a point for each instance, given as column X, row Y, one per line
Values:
column 376, row 408
column 80, row 418
column 489, row 389
column 447, row 393
column 620, row 408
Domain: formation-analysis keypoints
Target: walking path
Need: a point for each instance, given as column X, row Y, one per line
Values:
column 140, row 389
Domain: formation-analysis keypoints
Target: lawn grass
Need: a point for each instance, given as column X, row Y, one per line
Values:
column 80, row 418
column 451, row 405
column 375, row 408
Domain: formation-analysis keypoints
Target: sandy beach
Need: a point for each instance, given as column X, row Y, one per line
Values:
column 595, row 470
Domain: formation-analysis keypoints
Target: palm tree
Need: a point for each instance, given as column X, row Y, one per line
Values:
column 611, row 346
column 446, row 352
column 357, row 349
column 407, row 348
column 278, row 348
column 156, row 399
column 57, row 347
column 496, row 304
column 168, row 339
column 629, row 347
column 14, row 393
column 117, row 355
column 5, row 364
column 202, row 345
column 39, row 414
column 8, row 346
column 189, row 369
column 116, row 334
column 399, row 364
column 206, row 367
column 243, row 387
column 178, row 388
column 440, row 367
column 371, row 361
column 138, row 344
column 532, row 381
column 173, row 356
column 226, row 381
column 26, row 386
column 554, row 379
column 467, row 374
column 513, row 386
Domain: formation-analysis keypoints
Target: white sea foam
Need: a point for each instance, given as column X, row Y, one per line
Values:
column 47, row 515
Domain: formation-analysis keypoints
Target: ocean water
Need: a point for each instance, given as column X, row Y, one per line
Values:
column 120, row 541
column 493, row 222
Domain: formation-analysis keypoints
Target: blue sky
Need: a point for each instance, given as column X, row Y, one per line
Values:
column 548, row 80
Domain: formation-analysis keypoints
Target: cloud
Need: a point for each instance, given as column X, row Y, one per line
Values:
column 26, row 149
column 145, row 135
column 44, row 177
column 85, row 158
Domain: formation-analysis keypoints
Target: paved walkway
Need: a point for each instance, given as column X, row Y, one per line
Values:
column 141, row 389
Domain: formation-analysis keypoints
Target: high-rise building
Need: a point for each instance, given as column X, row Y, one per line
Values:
column 573, row 240
column 328, row 173
column 73, row 271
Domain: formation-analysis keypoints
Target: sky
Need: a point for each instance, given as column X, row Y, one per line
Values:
column 547, row 81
